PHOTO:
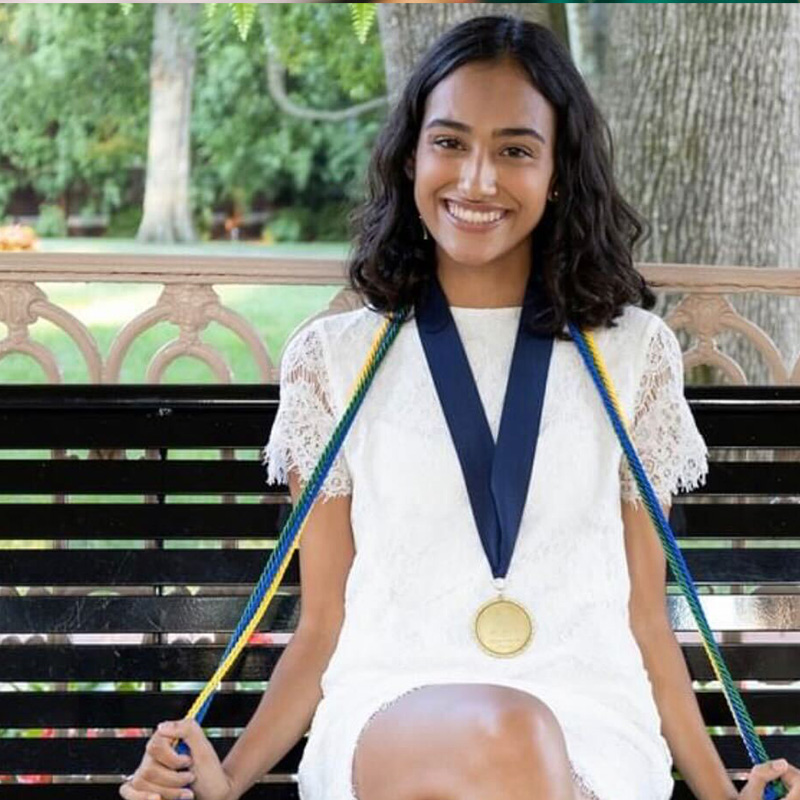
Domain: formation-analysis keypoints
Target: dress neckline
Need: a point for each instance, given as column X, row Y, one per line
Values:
column 477, row 311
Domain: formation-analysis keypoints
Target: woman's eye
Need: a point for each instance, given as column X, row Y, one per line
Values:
column 450, row 139
column 443, row 141
column 524, row 152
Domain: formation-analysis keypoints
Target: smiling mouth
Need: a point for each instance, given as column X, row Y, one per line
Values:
column 466, row 225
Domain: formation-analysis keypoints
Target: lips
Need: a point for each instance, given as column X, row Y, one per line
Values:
column 473, row 227
column 481, row 208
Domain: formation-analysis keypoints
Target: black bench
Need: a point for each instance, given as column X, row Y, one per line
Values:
column 144, row 590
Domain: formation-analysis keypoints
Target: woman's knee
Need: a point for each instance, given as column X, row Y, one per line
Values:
column 524, row 750
column 496, row 739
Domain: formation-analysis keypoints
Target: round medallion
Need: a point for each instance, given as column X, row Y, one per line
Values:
column 503, row 627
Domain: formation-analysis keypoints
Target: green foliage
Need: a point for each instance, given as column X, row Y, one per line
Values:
column 363, row 15
column 243, row 15
column 246, row 149
column 75, row 99
column 309, row 38
column 125, row 222
column 67, row 131
column 288, row 223
column 52, row 221
column 326, row 223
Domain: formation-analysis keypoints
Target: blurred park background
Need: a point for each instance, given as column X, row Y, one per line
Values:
column 246, row 129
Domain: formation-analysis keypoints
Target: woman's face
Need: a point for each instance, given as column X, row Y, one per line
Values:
column 463, row 154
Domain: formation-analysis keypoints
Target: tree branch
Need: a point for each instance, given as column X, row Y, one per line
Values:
column 276, row 84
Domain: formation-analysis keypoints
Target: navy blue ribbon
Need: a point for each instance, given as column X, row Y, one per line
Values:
column 497, row 477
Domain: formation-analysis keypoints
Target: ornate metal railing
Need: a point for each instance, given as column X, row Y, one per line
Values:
column 190, row 301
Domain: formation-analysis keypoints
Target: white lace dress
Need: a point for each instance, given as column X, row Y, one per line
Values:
column 420, row 572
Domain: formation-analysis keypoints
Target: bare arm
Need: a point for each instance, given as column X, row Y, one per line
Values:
column 683, row 726
column 293, row 694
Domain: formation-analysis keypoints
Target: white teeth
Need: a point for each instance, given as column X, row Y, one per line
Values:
column 473, row 216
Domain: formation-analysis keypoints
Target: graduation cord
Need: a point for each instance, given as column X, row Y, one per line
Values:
column 288, row 540
column 596, row 366
column 281, row 555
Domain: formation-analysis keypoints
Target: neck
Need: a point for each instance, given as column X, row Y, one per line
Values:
column 484, row 285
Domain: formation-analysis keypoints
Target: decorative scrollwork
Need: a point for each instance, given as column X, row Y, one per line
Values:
column 709, row 315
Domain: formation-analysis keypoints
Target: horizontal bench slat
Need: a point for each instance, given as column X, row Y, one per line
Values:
column 123, row 396
column 102, row 709
column 181, row 567
column 143, row 520
column 176, row 429
column 134, row 662
column 241, row 415
column 77, row 520
column 185, row 476
column 771, row 661
column 114, row 614
column 201, row 614
column 146, row 567
column 107, row 755
column 136, row 416
column 80, row 476
column 764, row 612
column 731, row 520
column 222, row 426
column 113, row 755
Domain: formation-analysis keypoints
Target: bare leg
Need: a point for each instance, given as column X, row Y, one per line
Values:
column 463, row 742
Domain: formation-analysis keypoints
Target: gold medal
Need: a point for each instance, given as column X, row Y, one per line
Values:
column 503, row 627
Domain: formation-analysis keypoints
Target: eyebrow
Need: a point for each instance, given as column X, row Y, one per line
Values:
column 460, row 126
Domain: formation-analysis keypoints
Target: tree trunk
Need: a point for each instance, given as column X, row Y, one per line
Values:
column 705, row 142
column 167, row 215
column 586, row 30
column 407, row 30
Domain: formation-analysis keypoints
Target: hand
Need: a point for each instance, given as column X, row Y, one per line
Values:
column 163, row 773
column 762, row 774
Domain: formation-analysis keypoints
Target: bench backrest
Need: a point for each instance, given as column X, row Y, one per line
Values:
column 118, row 620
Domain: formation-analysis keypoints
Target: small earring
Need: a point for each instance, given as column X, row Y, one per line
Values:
column 553, row 197
column 424, row 229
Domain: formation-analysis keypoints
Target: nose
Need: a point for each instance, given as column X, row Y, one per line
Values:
column 478, row 176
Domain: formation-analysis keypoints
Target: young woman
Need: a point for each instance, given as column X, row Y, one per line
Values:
column 483, row 594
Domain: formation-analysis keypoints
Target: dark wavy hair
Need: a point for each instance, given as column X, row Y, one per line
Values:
column 583, row 242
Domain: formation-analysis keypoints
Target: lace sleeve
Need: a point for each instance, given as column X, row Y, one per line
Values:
column 664, row 433
column 305, row 418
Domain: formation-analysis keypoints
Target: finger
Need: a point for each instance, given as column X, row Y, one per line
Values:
column 792, row 776
column 791, row 779
column 159, row 748
column 158, row 792
column 127, row 792
column 760, row 775
column 191, row 733
column 161, row 776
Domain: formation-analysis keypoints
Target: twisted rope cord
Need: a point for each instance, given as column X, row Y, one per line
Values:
column 281, row 555
column 596, row 365
column 278, row 562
